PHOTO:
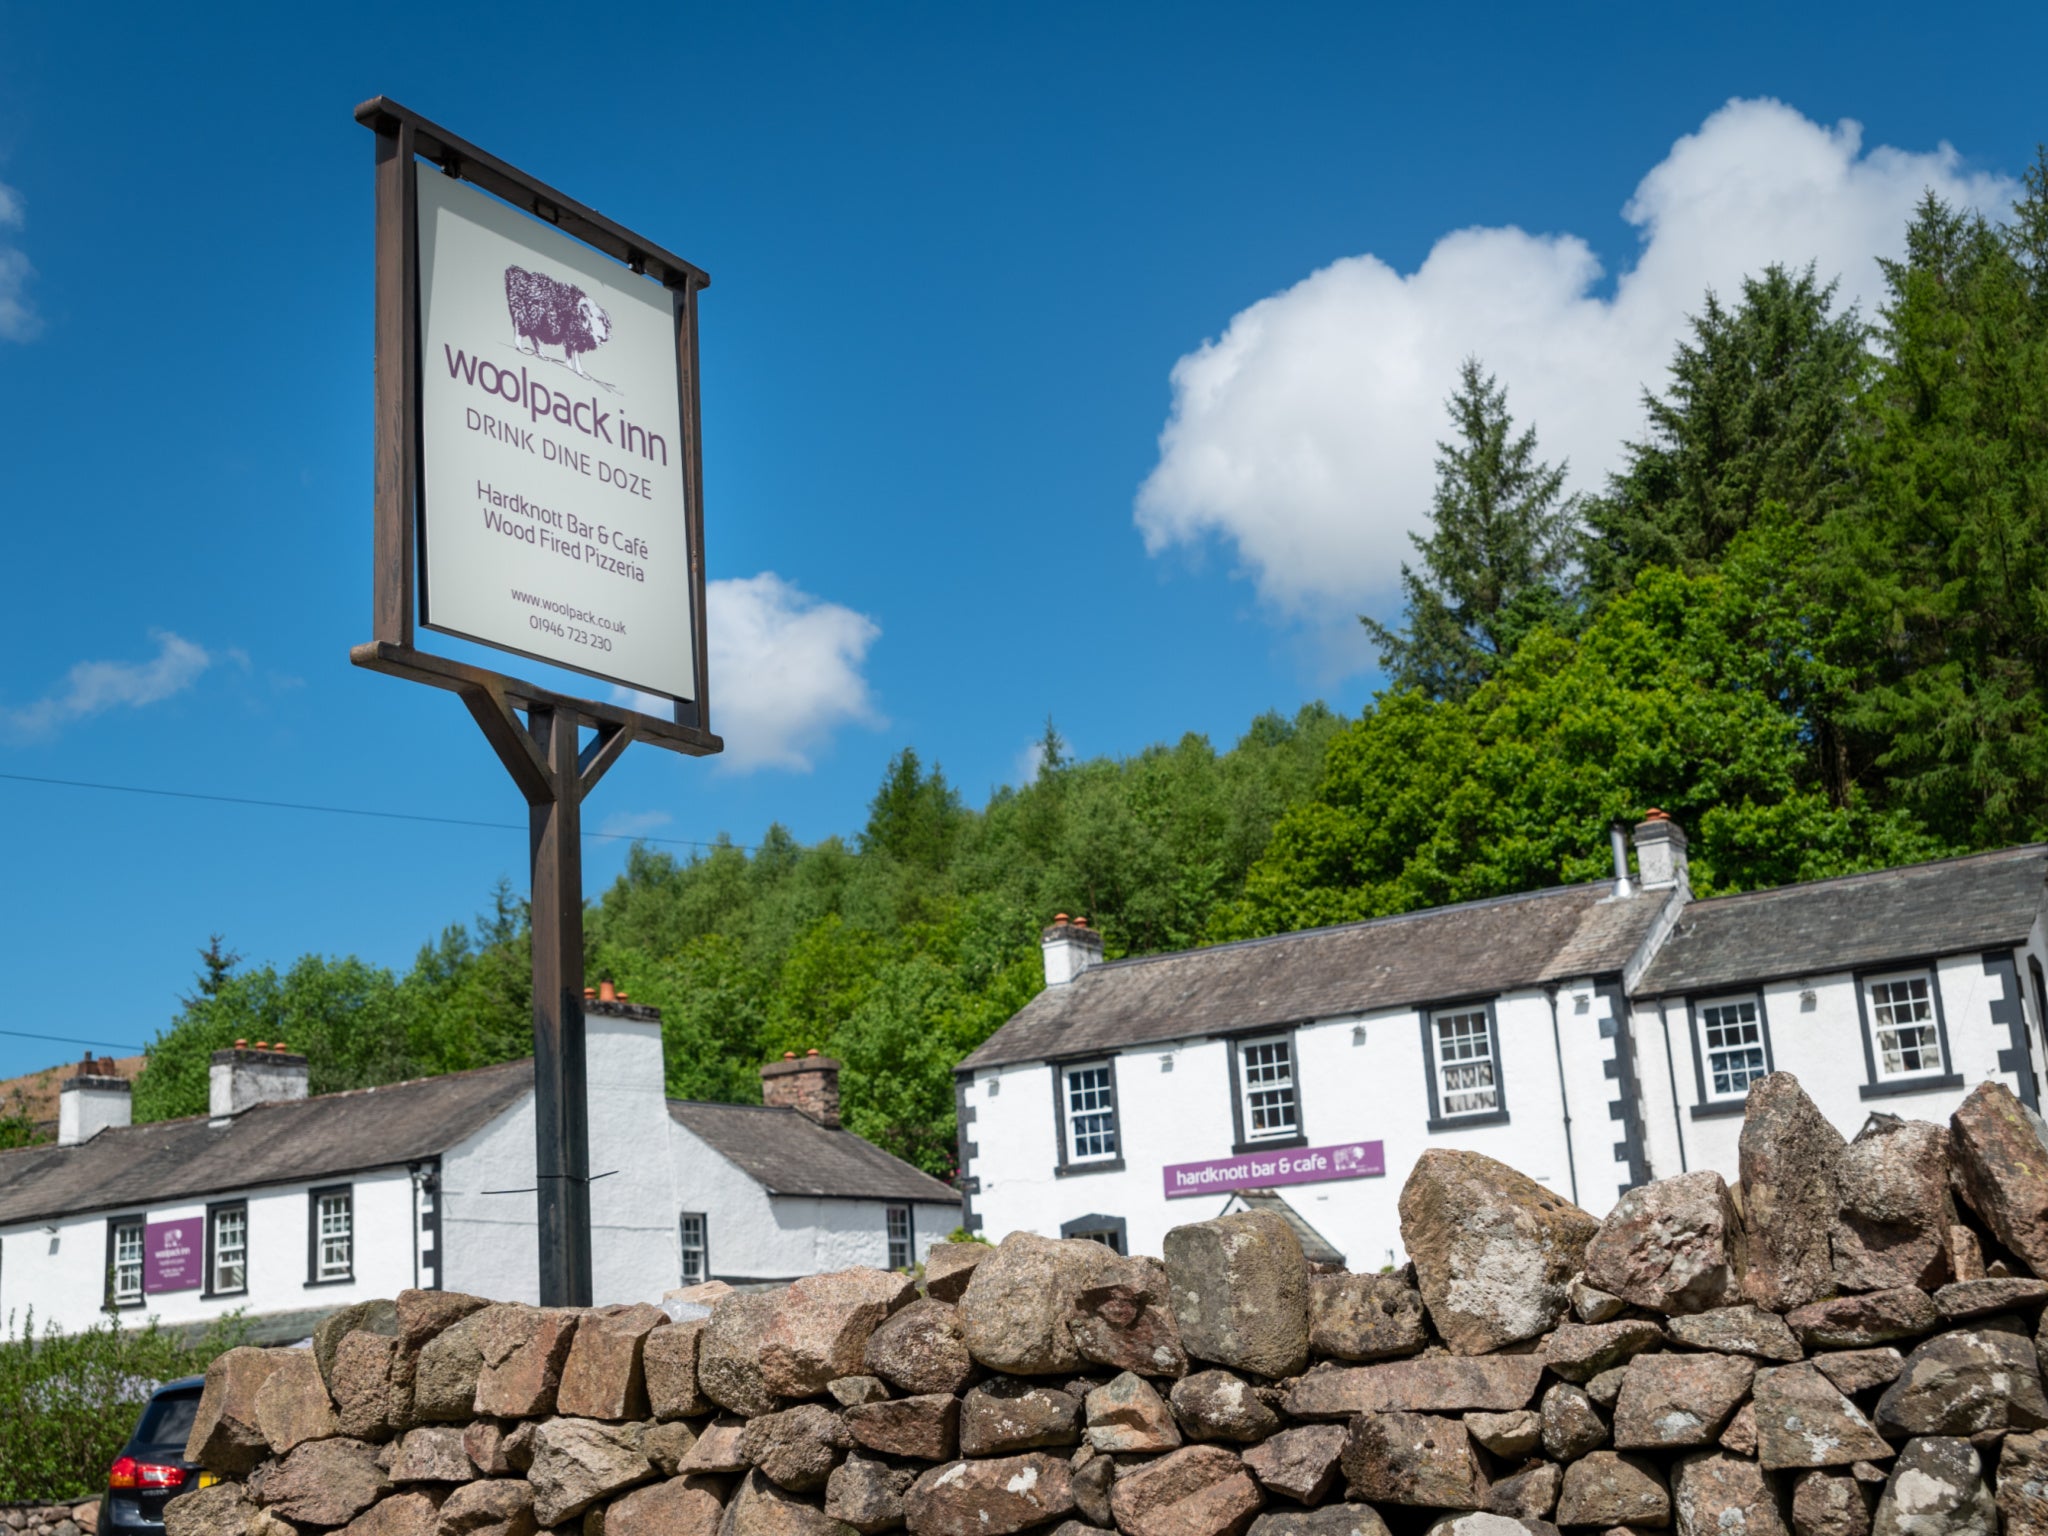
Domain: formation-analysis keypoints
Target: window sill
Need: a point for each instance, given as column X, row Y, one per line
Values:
column 1469, row 1122
column 1899, row 1085
column 314, row 1285
column 1270, row 1144
column 1719, row 1108
column 223, row 1295
column 126, row 1306
column 1106, row 1165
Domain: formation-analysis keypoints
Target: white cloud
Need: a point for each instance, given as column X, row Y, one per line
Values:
column 1029, row 761
column 18, row 321
column 633, row 823
column 1306, row 435
column 93, row 687
column 785, row 672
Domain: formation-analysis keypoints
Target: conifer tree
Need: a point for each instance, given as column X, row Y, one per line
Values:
column 1500, row 556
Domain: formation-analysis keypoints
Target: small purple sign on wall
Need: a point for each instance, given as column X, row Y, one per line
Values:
column 171, row 1256
column 1291, row 1165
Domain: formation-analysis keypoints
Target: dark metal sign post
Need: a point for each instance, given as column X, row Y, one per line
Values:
column 545, row 752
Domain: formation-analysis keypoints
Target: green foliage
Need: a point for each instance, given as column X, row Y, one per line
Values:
column 1759, row 415
column 69, row 1401
column 1661, row 702
column 1943, row 554
column 1498, row 558
column 18, row 1130
column 465, row 1003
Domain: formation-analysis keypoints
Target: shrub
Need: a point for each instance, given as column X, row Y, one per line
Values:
column 69, row 1400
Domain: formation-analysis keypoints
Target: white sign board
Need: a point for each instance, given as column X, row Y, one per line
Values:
column 555, row 521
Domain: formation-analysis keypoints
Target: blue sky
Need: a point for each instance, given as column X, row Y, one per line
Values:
column 968, row 265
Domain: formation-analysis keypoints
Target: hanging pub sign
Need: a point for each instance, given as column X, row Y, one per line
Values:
column 539, row 469
column 538, row 489
column 554, row 517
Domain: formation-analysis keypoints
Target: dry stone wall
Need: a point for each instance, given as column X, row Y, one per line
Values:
column 1845, row 1344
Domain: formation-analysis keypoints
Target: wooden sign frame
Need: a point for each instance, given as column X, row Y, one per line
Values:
column 544, row 752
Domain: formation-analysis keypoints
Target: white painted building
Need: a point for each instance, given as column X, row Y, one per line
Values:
column 1594, row 1036
column 283, row 1206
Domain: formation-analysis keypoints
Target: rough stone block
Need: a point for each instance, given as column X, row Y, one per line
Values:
column 1365, row 1317
column 292, row 1406
column 227, row 1432
column 668, row 1364
column 604, row 1376
column 1220, row 1405
column 1802, row 1421
column 1790, row 1157
column 1433, row 1384
column 1606, row 1488
column 819, row 1327
column 1673, row 1246
column 1203, row 1490
column 1669, row 1401
column 921, row 1349
column 1493, row 1250
column 989, row 1498
column 925, row 1427
column 1715, row 1494
column 1298, row 1464
column 577, row 1462
column 1240, row 1292
column 1006, row 1415
column 1129, row 1417
column 1937, row 1489
column 1412, row 1458
column 524, row 1350
column 1014, row 1310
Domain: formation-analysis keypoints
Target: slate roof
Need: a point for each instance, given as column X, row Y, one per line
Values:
column 1980, row 901
column 791, row 1154
column 335, row 1133
column 1458, row 951
column 1315, row 1247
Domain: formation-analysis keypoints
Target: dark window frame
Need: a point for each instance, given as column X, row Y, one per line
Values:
column 107, row 1302
column 704, row 1228
column 2040, row 1037
column 213, row 1213
column 1875, row 1087
column 1083, row 1225
column 313, row 1197
column 1705, row 1107
column 1241, row 1142
column 909, row 1235
column 1065, row 1166
column 1426, row 1018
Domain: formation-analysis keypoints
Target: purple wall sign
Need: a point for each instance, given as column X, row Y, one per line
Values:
column 172, row 1254
column 1294, row 1165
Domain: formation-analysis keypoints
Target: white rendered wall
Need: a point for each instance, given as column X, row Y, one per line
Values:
column 753, row 1235
column 1823, row 1048
column 1374, row 1091
column 490, row 1243
column 63, row 1275
column 636, row 1248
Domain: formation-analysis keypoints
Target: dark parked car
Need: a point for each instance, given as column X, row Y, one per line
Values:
column 152, row 1466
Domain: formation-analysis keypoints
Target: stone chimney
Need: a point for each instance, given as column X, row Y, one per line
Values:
column 1660, row 852
column 1070, row 946
column 247, row 1075
column 95, row 1099
column 808, row 1084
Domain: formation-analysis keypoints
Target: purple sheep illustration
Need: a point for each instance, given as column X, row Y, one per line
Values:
column 547, row 311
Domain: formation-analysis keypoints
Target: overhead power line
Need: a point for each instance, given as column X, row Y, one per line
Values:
column 355, row 810
column 111, row 1045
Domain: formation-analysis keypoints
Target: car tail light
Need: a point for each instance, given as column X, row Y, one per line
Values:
column 127, row 1472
